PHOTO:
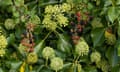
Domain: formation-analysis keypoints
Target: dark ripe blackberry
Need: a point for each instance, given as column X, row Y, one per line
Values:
column 90, row 18
column 79, row 26
column 82, row 22
column 31, row 41
column 72, row 15
column 72, row 23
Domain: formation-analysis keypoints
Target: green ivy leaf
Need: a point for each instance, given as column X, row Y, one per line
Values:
column 90, row 69
column 112, row 14
column 67, row 65
column 97, row 36
column 39, row 46
column 115, row 69
column 119, row 50
column 11, row 39
column 15, row 65
column 63, row 44
column 1, row 70
column 118, row 2
column 111, row 54
column 118, row 29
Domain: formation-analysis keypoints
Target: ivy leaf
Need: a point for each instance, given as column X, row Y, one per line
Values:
column 118, row 2
column 111, row 54
column 118, row 29
column 97, row 36
column 1, row 70
column 39, row 47
column 112, row 14
column 11, row 39
column 115, row 69
column 119, row 50
column 90, row 69
column 15, row 65
column 63, row 44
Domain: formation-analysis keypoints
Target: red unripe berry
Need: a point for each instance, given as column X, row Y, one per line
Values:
column 78, row 14
column 31, row 50
column 78, row 18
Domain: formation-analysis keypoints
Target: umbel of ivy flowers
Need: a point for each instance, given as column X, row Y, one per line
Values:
column 81, row 48
column 54, row 16
column 95, row 56
column 48, row 53
column 3, row 44
column 32, row 58
column 56, row 63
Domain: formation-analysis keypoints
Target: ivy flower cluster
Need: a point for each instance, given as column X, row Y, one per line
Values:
column 54, row 16
column 95, row 56
column 3, row 45
column 56, row 63
column 81, row 48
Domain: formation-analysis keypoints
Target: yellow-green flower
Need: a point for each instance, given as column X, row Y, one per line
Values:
column 49, row 9
column 56, row 63
column 48, row 23
column 57, row 9
column 103, row 65
column 95, row 56
column 22, row 48
column 48, row 52
column 62, row 20
column 2, row 52
column 32, row 58
column 3, row 42
column 9, row 24
column 65, row 7
column 81, row 48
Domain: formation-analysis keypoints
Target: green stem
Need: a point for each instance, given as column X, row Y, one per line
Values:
column 55, row 70
column 113, row 2
column 46, row 62
column 47, row 35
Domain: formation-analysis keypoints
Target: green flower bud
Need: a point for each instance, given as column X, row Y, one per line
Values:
column 56, row 63
column 62, row 20
column 9, row 24
column 2, row 52
column 95, row 56
column 32, row 58
column 81, row 48
column 3, row 41
column 48, row 52
column 111, row 40
column 65, row 7
column 22, row 49
column 48, row 23
column 103, row 65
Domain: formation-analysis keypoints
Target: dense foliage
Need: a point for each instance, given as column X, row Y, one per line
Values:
column 59, row 35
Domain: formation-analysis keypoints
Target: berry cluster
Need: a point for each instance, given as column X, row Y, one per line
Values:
column 28, row 40
column 77, row 27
